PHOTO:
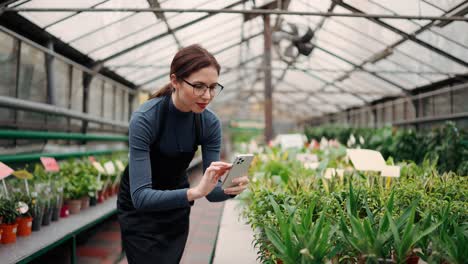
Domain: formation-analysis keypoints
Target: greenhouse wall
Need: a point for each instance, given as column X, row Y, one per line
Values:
column 424, row 110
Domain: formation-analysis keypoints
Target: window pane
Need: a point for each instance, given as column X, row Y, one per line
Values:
column 76, row 98
column 32, row 84
column 95, row 101
column 62, row 93
column 8, row 61
column 108, row 106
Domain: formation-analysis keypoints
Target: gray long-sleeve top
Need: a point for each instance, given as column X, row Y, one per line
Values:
column 178, row 135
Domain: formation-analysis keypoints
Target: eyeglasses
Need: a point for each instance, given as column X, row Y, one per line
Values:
column 199, row 89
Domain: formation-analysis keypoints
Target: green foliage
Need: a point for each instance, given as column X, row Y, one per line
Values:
column 447, row 144
column 368, row 217
column 8, row 210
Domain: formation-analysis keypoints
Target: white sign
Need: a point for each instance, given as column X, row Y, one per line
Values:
column 110, row 168
column 366, row 159
column 291, row 141
column 120, row 165
column 98, row 167
column 391, row 171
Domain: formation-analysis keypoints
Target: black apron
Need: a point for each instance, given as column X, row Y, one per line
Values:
column 157, row 236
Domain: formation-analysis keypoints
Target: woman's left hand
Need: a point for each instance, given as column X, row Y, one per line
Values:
column 242, row 184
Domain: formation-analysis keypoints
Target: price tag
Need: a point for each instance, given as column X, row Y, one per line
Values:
column 110, row 168
column 91, row 159
column 50, row 164
column 120, row 165
column 5, row 171
column 98, row 167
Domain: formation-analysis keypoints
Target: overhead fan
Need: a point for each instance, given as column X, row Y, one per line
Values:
column 291, row 41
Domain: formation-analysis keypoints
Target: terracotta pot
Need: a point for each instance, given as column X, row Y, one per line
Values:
column 64, row 212
column 116, row 189
column 24, row 225
column 74, row 206
column 279, row 261
column 1, row 232
column 412, row 259
column 9, row 233
column 102, row 196
column 84, row 202
column 109, row 191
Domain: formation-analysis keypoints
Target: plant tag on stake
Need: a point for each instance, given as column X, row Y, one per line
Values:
column 5, row 171
column 50, row 164
column 98, row 167
column 110, row 168
column 120, row 165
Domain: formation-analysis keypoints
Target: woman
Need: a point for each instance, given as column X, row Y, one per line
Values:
column 155, row 198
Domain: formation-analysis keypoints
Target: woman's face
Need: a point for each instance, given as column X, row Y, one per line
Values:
column 187, row 98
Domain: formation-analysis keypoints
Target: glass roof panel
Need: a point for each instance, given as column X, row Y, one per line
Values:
column 444, row 4
column 89, row 21
column 439, row 62
column 114, row 33
column 45, row 18
column 448, row 46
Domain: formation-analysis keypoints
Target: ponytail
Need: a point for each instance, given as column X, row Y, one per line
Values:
column 165, row 91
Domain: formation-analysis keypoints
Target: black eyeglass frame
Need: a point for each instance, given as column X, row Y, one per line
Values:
column 204, row 89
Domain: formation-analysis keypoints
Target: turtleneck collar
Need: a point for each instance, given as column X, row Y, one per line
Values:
column 173, row 109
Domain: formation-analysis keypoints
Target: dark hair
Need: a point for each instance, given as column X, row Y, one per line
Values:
column 187, row 61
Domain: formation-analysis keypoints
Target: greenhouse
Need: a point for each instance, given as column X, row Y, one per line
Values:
column 234, row 131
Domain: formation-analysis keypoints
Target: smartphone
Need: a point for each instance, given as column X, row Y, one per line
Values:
column 240, row 167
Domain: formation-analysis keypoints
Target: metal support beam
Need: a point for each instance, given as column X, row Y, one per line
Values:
column 49, row 67
column 268, row 85
column 162, row 16
column 26, row 105
column 226, row 10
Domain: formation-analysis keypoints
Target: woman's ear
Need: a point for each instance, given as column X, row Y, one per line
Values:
column 174, row 82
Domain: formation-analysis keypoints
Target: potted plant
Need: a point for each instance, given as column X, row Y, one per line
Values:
column 9, row 225
column 73, row 191
column 25, row 218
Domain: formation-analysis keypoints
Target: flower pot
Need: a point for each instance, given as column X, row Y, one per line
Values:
column 92, row 201
column 47, row 216
column 84, row 202
column 64, row 212
column 74, row 206
column 1, row 232
column 24, row 225
column 55, row 213
column 9, row 233
column 109, row 191
column 37, row 220
column 412, row 259
column 102, row 196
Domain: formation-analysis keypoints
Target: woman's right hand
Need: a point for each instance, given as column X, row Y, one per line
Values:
column 209, row 180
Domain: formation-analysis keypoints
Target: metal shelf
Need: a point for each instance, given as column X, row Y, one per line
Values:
column 27, row 248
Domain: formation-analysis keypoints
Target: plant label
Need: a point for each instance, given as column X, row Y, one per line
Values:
column 5, row 171
column 110, row 168
column 50, row 164
column 366, row 159
column 120, row 165
column 391, row 171
column 291, row 141
column 99, row 167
